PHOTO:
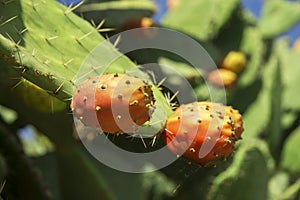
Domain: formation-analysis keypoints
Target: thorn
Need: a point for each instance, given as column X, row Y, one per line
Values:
column 17, row 84
column 143, row 141
column 9, row 20
column 169, row 131
column 71, row 9
column 2, row 186
column 106, row 30
column 117, row 42
column 68, row 62
column 173, row 97
column 93, row 23
column 20, row 58
column 68, row 99
column 151, row 73
column 83, row 76
column 50, row 38
column 153, row 141
column 84, row 36
column 161, row 82
column 59, row 88
column 18, row 43
column 10, row 38
column 100, row 24
column 33, row 52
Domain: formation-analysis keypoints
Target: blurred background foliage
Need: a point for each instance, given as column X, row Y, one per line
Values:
column 42, row 158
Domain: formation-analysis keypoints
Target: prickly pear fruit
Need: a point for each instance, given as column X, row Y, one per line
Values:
column 203, row 131
column 36, row 98
column 234, row 61
column 296, row 45
column 114, row 103
column 222, row 78
column 171, row 4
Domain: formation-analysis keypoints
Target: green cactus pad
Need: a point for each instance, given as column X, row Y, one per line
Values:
column 252, row 165
column 289, row 61
column 36, row 98
column 202, row 19
column 290, row 154
column 253, row 46
column 116, row 13
column 276, row 12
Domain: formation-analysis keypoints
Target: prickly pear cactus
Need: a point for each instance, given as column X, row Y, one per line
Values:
column 44, row 59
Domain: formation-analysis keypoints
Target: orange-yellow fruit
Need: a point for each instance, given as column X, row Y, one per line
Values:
column 203, row 132
column 234, row 61
column 171, row 4
column 296, row 45
column 115, row 103
column 139, row 23
column 222, row 78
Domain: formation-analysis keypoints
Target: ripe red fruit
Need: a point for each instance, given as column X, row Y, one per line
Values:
column 115, row 103
column 203, row 131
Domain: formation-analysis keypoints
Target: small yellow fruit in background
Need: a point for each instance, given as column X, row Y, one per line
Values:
column 222, row 78
column 234, row 61
column 171, row 4
column 296, row 45
column 36, row 98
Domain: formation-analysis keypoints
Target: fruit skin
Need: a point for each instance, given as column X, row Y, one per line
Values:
column 203, row 132
column 234, row 61
column 114, row 103
column 222, row 78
